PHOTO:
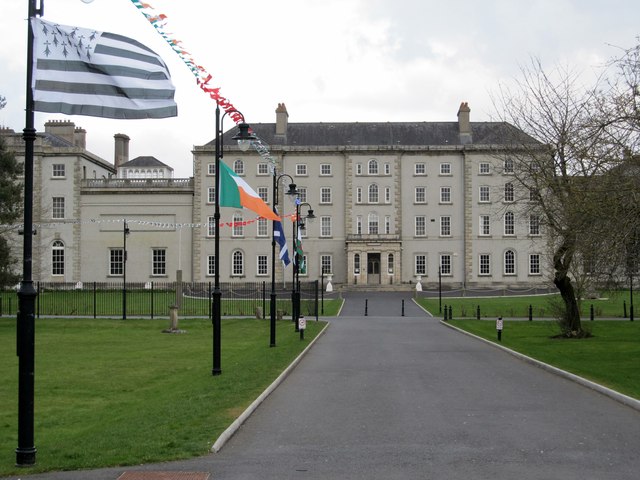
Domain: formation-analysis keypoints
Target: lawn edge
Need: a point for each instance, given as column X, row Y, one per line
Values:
column 237, row 423
column 608, row 392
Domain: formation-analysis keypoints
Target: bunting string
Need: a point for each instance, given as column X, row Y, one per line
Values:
column 203, row 78
column 165, row 225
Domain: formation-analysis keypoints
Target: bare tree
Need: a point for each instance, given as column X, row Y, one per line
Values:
column 562, row 172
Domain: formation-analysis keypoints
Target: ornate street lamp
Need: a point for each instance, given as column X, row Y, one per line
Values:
column 244, row 138
column 292, row 192
column 298, row 224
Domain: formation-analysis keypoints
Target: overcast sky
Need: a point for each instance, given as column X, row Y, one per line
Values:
column 327, row 60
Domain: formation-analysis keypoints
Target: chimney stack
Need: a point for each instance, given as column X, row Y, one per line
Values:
column 282, row 119
column 61, row 128
column 80, row 137
column 121, row 149
column 464, row 125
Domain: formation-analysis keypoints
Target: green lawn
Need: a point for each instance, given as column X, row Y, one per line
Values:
column 543, row 306
column 113, row 392
column 610, row 358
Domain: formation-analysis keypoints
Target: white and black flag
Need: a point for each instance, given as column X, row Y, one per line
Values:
column 78, row 71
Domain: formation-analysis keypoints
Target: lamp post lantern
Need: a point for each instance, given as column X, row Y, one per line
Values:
column 272, row 305
column 244, row 138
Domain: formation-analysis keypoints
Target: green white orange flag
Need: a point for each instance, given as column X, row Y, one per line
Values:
column 235, row 192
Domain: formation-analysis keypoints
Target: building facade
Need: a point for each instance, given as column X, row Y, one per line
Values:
column 396, row 203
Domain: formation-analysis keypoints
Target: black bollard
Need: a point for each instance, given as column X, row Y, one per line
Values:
column 624, row 309
column 478, row 312
column 530, row 312
column 591, row 312
column 403, row 307
column 445, row 313
column 450, row 312
column 366, row 307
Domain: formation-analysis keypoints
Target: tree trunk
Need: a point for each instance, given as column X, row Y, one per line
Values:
column 570, row 323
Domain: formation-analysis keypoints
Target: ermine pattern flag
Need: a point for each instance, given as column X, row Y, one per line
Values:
column 78, row 71
column 278, row 234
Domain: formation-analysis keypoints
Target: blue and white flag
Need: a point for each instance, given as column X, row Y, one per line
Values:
column 79, row 71
column 278, row 234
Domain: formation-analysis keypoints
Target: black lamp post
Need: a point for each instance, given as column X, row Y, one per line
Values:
column 272, row 306
column 125, row 233
column 26, row 451
column 439, row 289
column 295, row 296
column 244, row 138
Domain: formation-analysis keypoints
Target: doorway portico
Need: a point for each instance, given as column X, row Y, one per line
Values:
column 373, row 260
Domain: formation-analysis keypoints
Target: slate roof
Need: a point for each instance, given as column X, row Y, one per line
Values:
column 383, row 134
column 54, row 140
column 146, row 162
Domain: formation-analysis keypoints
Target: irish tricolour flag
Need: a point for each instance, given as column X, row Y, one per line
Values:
column 235, row 192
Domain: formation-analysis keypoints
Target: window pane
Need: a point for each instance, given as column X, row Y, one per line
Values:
column 238, row 263
column 115, row 262
column 421, row 264
column 159, row 261
column 57, row 258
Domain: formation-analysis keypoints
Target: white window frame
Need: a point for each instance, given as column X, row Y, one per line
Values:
column 301, row 170
column 535, row 264
column 211, row 265
column 484, row 261
column 509, row 261
column 211, row 195
column 509, row 224
column 262, row 227
column 263, row 193
column 484, row 194
column 484, row 168
column 58, row 170
column 58, row 208
column 372, row 167
column 445, row 195
column 325, row 170
column 420, row 195
column 445, row 225
column 373, row 224
column 484, row 226
column 420, row 226
column 326, row 197
column 211, row 169
column 262, row 169
column 57, row 258
column 325, row 226
column 237, row 263
column 373, row 194
column 445, row 169
column 116, row 262
column 237, row 229
column 446, row 264
column 326, row 264
column 158, row 262
column 262, row 265
column 509, row 193
column 534, row 225
column 420, row 169
column 420, row 264
column 238, row 167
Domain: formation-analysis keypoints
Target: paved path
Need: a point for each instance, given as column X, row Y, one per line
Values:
column 381, row 397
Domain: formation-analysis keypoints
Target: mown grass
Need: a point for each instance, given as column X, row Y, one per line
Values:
column 611, row 305
column 610, row 357
column 113, row 392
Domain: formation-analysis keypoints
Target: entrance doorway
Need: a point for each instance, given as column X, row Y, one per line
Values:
column 373, row 268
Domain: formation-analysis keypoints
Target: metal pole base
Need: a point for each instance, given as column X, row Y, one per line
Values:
column 25, row 457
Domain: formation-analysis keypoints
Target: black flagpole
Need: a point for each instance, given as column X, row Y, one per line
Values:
column 26, row 451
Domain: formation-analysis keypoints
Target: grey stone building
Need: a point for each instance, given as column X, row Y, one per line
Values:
column 397, row 203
